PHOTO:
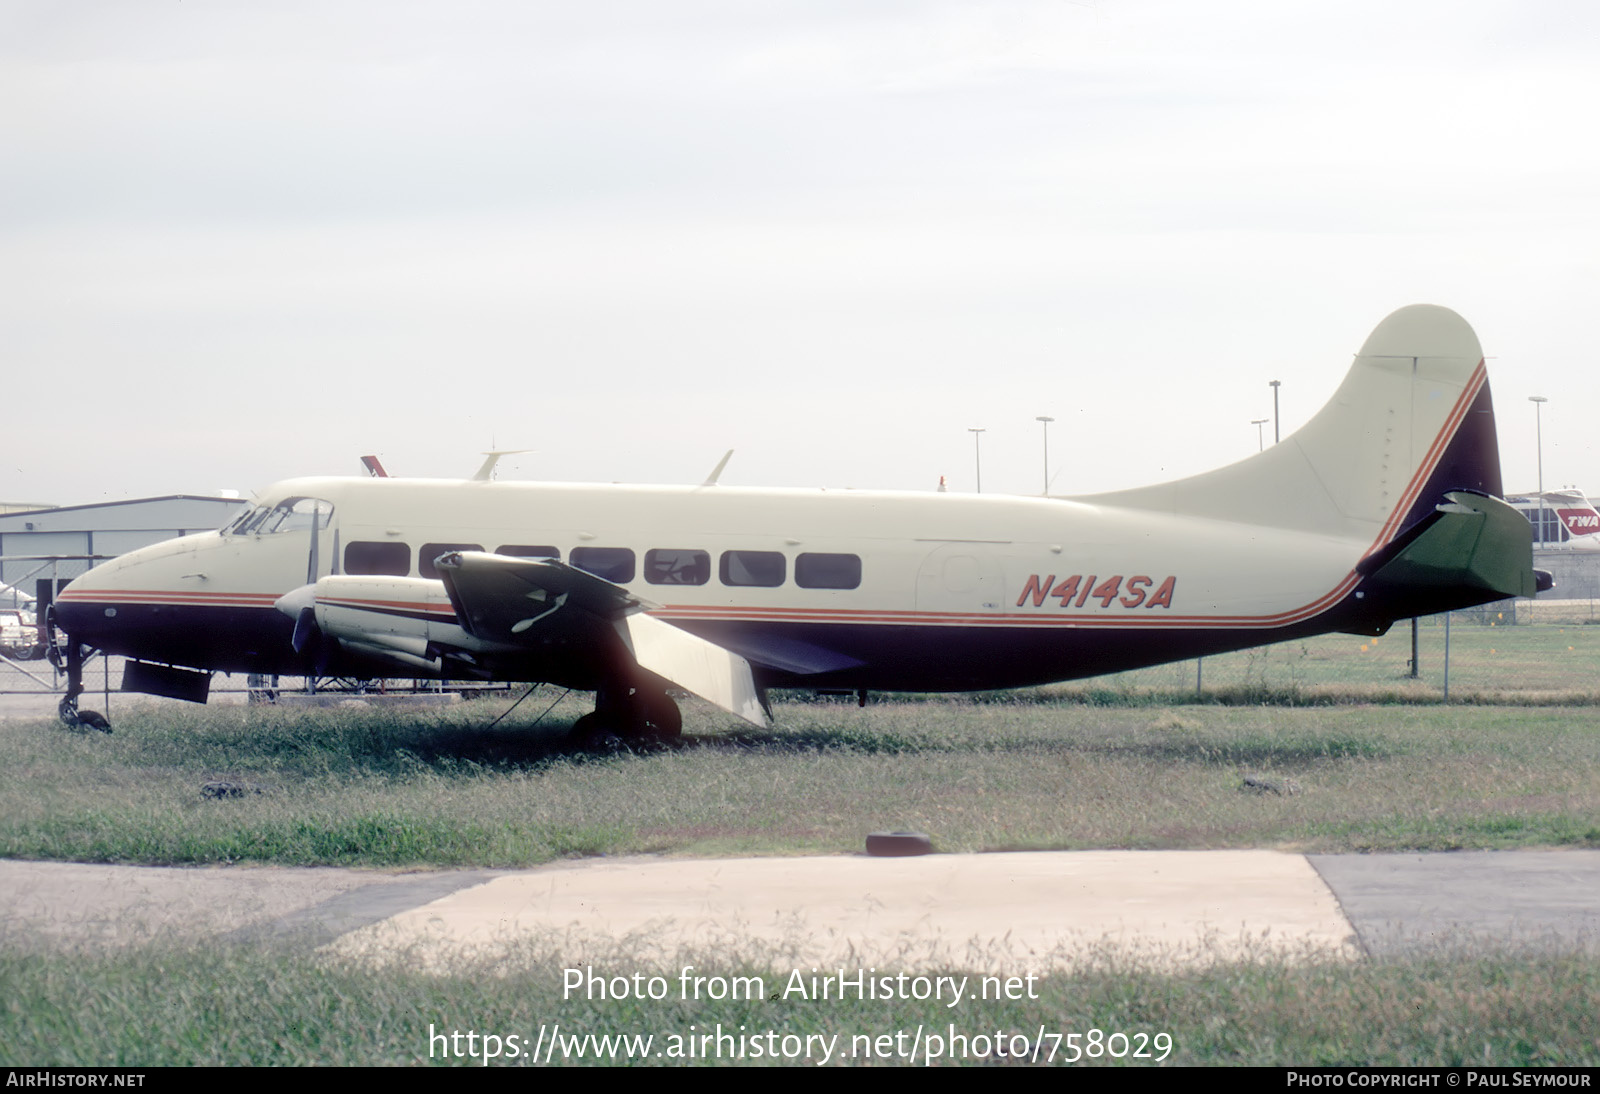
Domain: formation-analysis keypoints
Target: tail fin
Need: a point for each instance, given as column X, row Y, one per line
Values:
column 1412, row 421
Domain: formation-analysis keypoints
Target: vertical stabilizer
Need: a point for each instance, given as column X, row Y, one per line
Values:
column 1412, row 420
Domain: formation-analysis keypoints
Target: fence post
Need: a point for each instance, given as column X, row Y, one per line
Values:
column 1447, row 657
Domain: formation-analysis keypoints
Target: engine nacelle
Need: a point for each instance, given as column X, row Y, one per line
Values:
column 401, row 619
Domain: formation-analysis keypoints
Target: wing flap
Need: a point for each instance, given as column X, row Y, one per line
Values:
column 521, row 602
column 715, row 674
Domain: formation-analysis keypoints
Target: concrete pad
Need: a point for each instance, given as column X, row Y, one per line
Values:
column 1002, row 913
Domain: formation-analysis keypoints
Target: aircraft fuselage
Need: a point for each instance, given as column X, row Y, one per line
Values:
column 857, row 589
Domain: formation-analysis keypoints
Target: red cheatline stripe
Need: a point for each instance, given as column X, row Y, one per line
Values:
column 168, row 596
column 1160, row 621
column 383, row 605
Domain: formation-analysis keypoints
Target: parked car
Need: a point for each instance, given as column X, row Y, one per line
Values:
column 19, row 638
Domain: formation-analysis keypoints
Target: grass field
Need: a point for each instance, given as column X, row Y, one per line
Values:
column 375, row 787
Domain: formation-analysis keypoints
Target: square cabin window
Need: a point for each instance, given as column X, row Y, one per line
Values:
column 677, row 566
column 759, row 568
column 815, row 570
column 526, row 550
column 386, row 559
column 613, row 564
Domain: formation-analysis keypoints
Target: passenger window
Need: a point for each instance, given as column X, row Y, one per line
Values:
column 760, row 568
column 518, row 550
column 820, row 571
column 431, row 551
column 677, row 567
column 613, row 564
column 387, row 559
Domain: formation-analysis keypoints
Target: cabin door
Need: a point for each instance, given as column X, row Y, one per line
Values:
column 960, row 577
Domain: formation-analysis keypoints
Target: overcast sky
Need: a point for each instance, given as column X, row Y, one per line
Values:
column 245, row 240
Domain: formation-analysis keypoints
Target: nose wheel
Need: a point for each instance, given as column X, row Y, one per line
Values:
column 72, row 655
column 81, row 719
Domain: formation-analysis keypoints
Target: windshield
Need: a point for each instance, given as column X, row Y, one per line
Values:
column 289, row 515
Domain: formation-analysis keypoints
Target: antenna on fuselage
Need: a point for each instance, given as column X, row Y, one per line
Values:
column 486, row 472
column 716, row 472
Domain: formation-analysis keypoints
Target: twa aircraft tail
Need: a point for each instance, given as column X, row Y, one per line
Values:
column 1406, row 441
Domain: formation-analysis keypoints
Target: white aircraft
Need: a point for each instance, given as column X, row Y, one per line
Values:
column 1384, row 506
column 1576, row 523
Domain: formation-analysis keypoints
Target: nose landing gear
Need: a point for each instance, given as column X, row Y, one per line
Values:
column 72, row 653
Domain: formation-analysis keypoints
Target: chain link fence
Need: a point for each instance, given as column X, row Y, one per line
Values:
column 1511, row 651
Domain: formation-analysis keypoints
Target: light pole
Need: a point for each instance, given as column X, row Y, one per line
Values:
column 977, row 455
column 1045, row 420
column 1258, row 423
column 1274, row 385
column 1538, row 402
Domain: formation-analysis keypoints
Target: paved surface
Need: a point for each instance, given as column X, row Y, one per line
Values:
column 77, row 902
column 1401, row 903
column 999, row 911
column 25, row 697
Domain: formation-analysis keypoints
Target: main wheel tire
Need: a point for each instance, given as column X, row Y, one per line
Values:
column 659, row 716
column 595, row 732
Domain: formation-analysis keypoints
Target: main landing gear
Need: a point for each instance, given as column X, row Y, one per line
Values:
column 625, row 716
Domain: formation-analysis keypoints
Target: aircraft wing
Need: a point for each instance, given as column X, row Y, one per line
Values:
column 516, row 602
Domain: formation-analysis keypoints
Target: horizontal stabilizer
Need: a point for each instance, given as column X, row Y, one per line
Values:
column 1470, row 550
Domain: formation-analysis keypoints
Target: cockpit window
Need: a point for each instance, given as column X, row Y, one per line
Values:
column 289, row 515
